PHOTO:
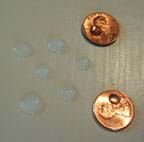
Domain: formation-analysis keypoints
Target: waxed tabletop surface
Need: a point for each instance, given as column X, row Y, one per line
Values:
column 118, row 66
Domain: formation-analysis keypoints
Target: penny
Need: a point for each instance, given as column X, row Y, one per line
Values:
column 100, row 28
column 113, row 109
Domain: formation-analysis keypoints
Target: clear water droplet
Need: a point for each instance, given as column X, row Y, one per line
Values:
column 56, row 46
column 31, row 104
column 42, row 73
column 83, row 63
column 23, row 50
column 69, row 93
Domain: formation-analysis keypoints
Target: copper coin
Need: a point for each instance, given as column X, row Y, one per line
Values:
column 113, row 109
column 100, row 28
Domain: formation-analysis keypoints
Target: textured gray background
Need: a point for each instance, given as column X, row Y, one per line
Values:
column 119, row 66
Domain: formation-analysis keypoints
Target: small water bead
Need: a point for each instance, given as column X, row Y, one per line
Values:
column 31, row 104
column 69, row 92
column 42, row 73
column 83, row 63
column 56, row 46
column 114, row 99
column 23, row 50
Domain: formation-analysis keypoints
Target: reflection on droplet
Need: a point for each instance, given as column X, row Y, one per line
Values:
column 83, row 63
column 42, row 73
column 69, row 92
column 56, row 46
column 114, row 99
column 31, row 104
column 23, row 50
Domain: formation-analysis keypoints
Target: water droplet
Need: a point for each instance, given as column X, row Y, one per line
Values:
column 42, row 73
column 23, row 50
column 31, row 104
column 56, row 46
column 83, row 63
column 69, row 92
column 114, row 99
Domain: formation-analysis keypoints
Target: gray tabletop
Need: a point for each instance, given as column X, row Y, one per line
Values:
column 118, row 66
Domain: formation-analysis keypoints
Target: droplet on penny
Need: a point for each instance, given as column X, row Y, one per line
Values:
column 113, row 109
column 114, row 99
column 95, row 30
column 100, row 28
